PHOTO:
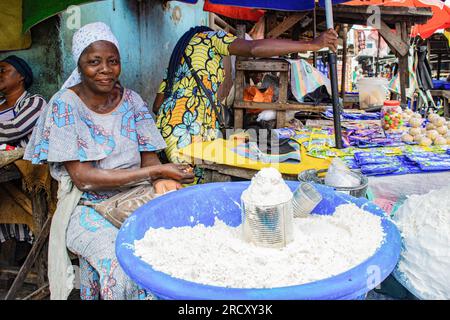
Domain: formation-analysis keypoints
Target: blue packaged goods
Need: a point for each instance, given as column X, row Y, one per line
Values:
column 365, row 158
column 378, row 169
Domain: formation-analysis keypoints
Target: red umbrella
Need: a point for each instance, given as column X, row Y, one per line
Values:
column 248, row 14
column 440, row 19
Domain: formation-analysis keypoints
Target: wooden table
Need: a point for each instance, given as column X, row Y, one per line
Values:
column 443, row 94
column 224, row 173
column 38, row 203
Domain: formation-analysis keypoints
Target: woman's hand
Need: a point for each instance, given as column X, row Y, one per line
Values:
column 182, row 173
column 166, row 185
column 328, row 39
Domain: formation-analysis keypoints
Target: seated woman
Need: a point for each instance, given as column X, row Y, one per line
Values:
column 102, row 136
column 19, row 111
column 185, row 114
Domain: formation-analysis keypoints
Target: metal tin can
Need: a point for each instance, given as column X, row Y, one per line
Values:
column 268, row 226
column 305, row 199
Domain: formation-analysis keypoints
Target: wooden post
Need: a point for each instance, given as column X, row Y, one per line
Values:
column 271, row 23
column 439, row 66
column 394, row 40
column 377, row 66
column 446, row 110
column 239, row 86
column 296, row 37
column 288, row 23
column 402, row 67
column 344, row 61
column 282, row 98
column 406, row 31
column 40, row 213
column 314, row 35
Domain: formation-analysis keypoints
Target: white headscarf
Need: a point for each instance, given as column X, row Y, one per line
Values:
column 86, row 35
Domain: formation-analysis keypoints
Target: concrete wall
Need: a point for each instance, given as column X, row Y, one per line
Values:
column 43, row 57
column 160, row 29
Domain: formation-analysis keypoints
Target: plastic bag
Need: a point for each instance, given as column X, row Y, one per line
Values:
column 305, row 79
column 339, row 175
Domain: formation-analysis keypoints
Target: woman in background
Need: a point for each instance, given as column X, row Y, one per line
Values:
column 19, row 111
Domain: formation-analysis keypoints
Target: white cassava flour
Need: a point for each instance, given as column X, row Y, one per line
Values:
column 267, row 188
column 324, row 246
column 424, row 223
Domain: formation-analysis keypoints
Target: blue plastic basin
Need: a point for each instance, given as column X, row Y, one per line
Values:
column 204, row 202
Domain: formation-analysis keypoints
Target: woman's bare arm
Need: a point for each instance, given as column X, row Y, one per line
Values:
column 88, row 178
column 149, row 159
column 277, row 47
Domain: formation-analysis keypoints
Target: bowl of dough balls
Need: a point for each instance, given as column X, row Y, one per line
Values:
column 436, row 131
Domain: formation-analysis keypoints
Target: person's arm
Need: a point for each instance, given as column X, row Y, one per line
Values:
column 88, row 178
column 159, row 99
column 161, row 186
column 23, row 123
column 277, row 47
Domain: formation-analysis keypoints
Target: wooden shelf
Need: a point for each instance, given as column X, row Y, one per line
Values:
column 266, row 65
column 279, row 106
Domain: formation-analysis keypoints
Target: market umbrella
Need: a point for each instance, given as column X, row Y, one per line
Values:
column 440, row 19
column 37, row 11
column 296, row 5
column 247, row 14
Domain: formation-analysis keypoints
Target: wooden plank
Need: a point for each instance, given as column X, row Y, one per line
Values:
column 280, row 106
column 405, row 37
column 238, row 118
column 446, row 109
column 295, row 37
column 19, row 197
column 12, row 272
column 391, row 15
column 237, row 172
column 287, row 23
column 40, row 214
column 239, row 85
column 377, row 65
column 271, row 22
column 230, row 171
column 29, row 261
column 440, row 93
column 402, row 65
column 39, row 294
column 281, row 119
column 239, row 95
column 262, row 65
column 216, row 21
column 283, row 89
column 445, row 94
column 394, row 40
column 419, row 13
column 314, row 33
column 220, row 177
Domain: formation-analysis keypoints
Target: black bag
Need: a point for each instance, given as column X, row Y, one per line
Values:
column 320, row 95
